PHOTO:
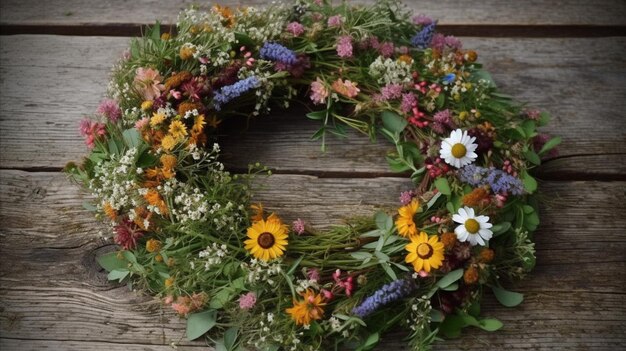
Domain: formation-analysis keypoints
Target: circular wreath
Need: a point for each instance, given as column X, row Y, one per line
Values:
column 189, row 234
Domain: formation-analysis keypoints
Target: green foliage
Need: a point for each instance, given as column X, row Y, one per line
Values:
column 200, row 323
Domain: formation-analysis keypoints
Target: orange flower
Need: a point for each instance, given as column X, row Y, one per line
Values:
column 198, row 124
column 169, row 164
column 188, row 106
column 477, row 197
column 177, row 79
column 310, row 308
column 406, row 59
column 109, row 211
column 471, row 275
column 153, row 245
column 154, row 198
column 142, row 217
column 257, row 209
column 227, row 14
column 448, row 240
column 186, row 52
column 487, row 255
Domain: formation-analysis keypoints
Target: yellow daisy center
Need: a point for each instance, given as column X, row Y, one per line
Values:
column 266, row 240
column 458, row 150
column 472, row 226
column 424, row 251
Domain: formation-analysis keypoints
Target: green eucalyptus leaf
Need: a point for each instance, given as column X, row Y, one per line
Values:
column 507, row 298
column 131, row 137
column 393, row 122
column 118, row 274
column 530, row 184
column 111, row 261
column 549, row 145
column 450, row 278
column 200, row 323
column 443, row 186
column 532, row 157
column 500, row 228
column 489, row 324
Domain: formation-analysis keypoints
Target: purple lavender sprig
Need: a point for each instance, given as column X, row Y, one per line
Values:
column 277, row 53
column 388, row 293
column 499, row 181
column 230, row 92
column 422, row 39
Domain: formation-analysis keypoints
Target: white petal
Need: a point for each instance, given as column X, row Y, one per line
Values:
column 458, row 218
column 485, row 234
column 463, row 212
column 471, row 148
column 470, row 211
column 472, row 239
column 482, row 219
column 472, row 155
column 480, row 240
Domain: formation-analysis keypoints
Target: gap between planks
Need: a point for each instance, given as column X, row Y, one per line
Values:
column 474, row 30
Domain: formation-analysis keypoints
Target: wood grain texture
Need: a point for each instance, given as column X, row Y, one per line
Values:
column 449, row 12
column 39, row 111
column 57, row 292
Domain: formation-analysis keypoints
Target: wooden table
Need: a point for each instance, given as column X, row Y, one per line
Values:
column 567, row 57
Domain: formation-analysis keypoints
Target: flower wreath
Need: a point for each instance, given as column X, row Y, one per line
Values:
column 187, row 230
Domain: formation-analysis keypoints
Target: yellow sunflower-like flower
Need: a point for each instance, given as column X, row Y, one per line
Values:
column 405, row 222
column 198, row 124
column 168, row 142
column 178, row 130
column 310, row 308
column 156, row 119
column 425, row 253
column 267, row 239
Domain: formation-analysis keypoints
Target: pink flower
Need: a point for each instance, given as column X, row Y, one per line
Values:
column 406, row 197
column 295, row 28
column 319, row 93
column 438, row 42
column 168, row 299
column 247, row 301
column 391, row 91
column 409, row 101
column 110, row 109
column 148, row 83
column 328, row 295
column 313, row 274
column 423, row 274
column 335, row 21
column 142, row 123
column 346, row 88
column 346, row 284
column 422, row 19
column 344, row 46
column 453, row 42
column 181, row 308
column 386, row 49
column 92, row 131
column 298, row 226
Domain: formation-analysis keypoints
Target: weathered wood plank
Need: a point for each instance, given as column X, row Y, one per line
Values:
column 41, row 108
column 67, row 345
column 449, row 12
column 52, row 289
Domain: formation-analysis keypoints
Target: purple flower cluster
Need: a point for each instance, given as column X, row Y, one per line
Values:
column 422, row 39
column 499, row 181
column 278, row 53
column 443, row 121
column 391, row 92
column 389, row 293
column 230, row 92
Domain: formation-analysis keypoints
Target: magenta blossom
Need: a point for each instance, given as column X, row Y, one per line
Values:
column 344, row 46
column 295, row 28
column 298, row 226
column 247, row 301
column 110, row 109
column 127, row 234
column 335, row 21
column 92, row 131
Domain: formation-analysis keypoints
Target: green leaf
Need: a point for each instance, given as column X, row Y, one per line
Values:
column 295, row 265
column 397, row 165
column 507, row 298
column 450, row 278
column 89, row 207
column 432, row 201
column 451, row 287
column 146, row 159
column 131, row 137
column 317, row 115
column 221, row 298
column 370, row 342
column 113, row 150
column 450, row 207
column 500, row 228
column 443, row 186
column 549, row 145
column 532, row 157
column 530, row 184
column 111, row 262
column 155, row 32
column 359, row 255
column 481, row 74
column 389, row 271
column 489, row 324
column 200, row 323
column 230, row 337
column 436, row 316
column 529, row 128
column 118, row 274
column 393, row 122
column 544, row 118
column 382, row 220
column 452, row 325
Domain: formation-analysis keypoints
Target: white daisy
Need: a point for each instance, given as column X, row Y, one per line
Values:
column 474, row 229
column 458, row 149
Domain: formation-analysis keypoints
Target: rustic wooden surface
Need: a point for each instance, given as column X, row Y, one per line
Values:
column 53, row 295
